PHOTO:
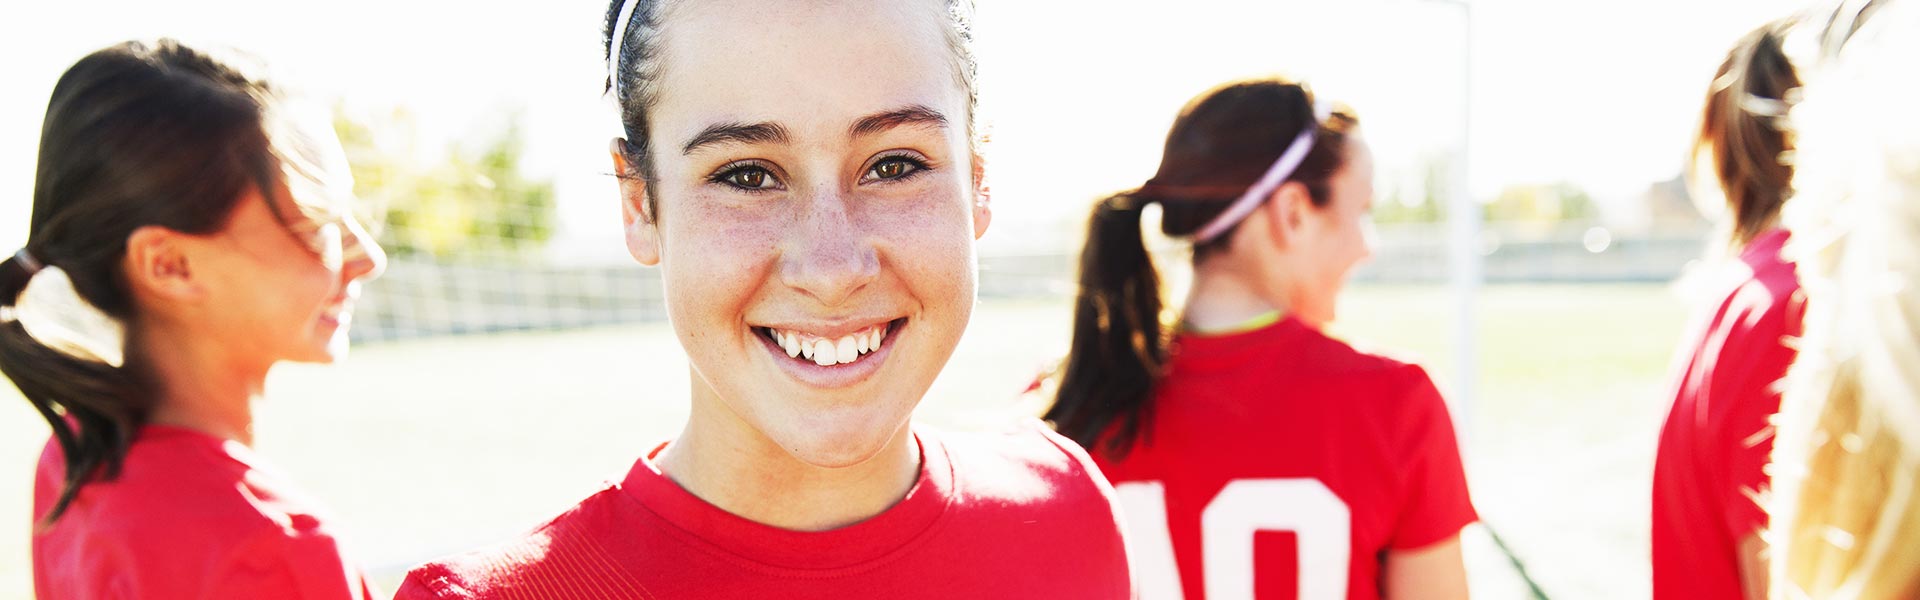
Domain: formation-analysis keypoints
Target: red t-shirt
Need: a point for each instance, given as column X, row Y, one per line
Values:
column 1281, row 463
column 1022, row 515
column 1713, row 450
column 191, row 516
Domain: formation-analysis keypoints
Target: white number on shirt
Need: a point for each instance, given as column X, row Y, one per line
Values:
column 1318, row 519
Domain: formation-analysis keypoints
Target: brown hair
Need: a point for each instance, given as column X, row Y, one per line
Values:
column 1742, row 132
column 136, row 134
column 1219, row 145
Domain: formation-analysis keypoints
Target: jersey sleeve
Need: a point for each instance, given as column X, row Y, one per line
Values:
column 1752, row 359
column 1434, row 501
column 303, row 565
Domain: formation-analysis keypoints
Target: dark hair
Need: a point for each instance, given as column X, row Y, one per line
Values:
column 1221, row 143
column 136, row 134
column 638, row 86
column 1742, row 130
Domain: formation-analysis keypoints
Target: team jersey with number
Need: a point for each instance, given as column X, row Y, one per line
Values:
column 1281, row 463
column 191, row 516
column 1020, row 515
column 1710, row 471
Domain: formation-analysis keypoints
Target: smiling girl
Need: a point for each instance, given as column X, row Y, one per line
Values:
column 188, row 233
column 804, row 176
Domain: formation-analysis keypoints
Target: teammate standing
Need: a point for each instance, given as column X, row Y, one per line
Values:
column 1254, row 455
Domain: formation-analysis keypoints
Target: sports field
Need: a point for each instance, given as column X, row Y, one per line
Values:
column 426, row 447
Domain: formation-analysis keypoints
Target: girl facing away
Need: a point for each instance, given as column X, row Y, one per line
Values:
column 804, row 176
column 1254, row 455
column 190, row 230
column 1709, row 472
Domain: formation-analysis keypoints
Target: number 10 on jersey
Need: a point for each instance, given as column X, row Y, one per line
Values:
column 1318, row 519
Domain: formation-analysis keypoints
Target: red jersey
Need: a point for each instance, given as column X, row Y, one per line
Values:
column 1281, row 463
column 191, row 516
column 1713, row 450
column 1024, row 515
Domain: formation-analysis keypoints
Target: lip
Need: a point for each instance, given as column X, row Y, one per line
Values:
column 836, row 376
column 338, row 313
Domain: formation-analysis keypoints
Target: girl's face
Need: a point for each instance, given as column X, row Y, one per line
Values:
column 284, row 284
column 815, row 192
column 1333, row 239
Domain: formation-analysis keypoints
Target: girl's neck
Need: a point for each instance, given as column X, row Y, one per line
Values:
column 731, row 465
column 197, row 386
column 1223, row 301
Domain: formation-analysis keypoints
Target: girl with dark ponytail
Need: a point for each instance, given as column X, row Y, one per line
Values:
column 189, row 230
column 1245, row 417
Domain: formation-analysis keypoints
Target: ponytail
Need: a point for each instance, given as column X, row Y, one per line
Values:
column 136, row 134
column 1119, row 342
column 93, row 407
column 1742, row 131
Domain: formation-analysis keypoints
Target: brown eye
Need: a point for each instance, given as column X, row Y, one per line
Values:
column 752, row 178
column 894, row 168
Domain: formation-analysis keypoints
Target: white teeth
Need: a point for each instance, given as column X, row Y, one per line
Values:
column 848, row 350
column 824, row 353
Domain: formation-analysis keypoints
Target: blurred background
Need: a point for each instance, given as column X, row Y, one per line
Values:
column 514, row 358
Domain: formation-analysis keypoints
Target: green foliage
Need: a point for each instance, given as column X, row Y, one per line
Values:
column 447, row 204
column 1423, row 199
column 1419, row 201
column 1561, row 202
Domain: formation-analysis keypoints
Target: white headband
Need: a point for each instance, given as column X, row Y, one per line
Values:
column 1289, row 160
column 614, row 45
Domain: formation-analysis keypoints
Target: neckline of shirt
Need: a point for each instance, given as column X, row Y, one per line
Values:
column 861, row 545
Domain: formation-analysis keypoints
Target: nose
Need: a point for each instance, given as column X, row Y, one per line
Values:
column 828, row 256
column 364, row 259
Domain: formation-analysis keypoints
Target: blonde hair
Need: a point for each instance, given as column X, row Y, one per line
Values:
column 1846, row 492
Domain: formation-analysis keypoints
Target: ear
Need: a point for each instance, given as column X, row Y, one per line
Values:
column 982, row 197
column 1286, row 211
column 643, row 237
column 157, row 265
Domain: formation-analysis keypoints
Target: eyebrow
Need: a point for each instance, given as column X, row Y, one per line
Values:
column 767, row 132
column 739, row 133
column 910, row 115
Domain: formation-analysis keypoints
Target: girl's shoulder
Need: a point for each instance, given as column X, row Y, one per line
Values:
column 1024, row 465
column 186, row 504
column 568, row 554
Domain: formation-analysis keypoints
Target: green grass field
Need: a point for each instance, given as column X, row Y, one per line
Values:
column 428, row 447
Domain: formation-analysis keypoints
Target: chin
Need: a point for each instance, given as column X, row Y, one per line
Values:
column 324, row 352
column 846, row 441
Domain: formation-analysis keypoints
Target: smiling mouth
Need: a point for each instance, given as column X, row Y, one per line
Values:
column 828, row 352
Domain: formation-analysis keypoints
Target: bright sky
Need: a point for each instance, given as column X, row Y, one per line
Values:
column 1079, row 93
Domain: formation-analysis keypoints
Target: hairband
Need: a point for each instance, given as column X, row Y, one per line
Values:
column 54, row 314
column 1289, row 160
column 615, row 43
column 27, row 261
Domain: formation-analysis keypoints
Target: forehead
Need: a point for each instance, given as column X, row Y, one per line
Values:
column 802, row 62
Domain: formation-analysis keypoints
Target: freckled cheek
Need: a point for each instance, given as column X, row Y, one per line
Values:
column 930, row 249
column 713, row 264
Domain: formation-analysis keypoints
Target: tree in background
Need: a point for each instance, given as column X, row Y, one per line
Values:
column 447, row 203
column 1545, row 204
